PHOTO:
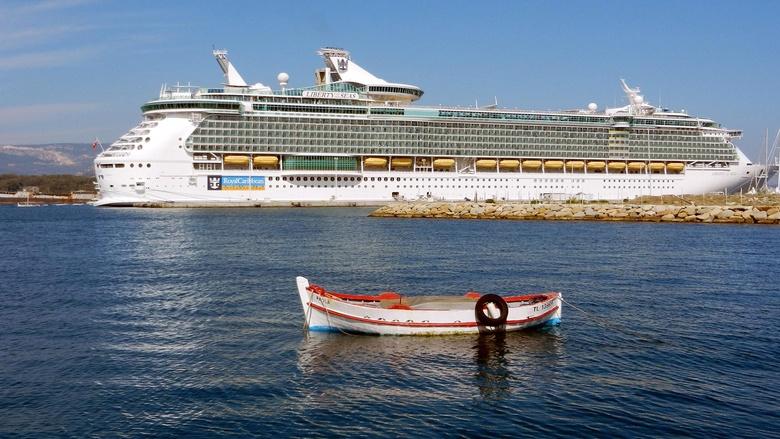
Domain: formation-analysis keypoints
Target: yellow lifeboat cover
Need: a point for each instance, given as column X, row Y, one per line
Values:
column 443, row 163
column 401, row 161
column 236, row 160
column 675, row 166
column 486, row 163
column 265, row 160
column 657, row 166
column 509, row 163
column 375, row 161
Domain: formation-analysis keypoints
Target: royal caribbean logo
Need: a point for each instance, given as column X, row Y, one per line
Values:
column 342, row 65
column 235, row 183
column 214, row 183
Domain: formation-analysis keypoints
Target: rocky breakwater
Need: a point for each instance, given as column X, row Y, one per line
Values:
column 592, row 212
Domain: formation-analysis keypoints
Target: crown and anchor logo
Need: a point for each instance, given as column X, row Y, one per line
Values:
column 342, row 64
column 215, row 183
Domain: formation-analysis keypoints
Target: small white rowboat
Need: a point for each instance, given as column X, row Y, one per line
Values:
column 390, row 313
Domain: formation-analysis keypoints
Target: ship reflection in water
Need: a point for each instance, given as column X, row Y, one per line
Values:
column 488, row 366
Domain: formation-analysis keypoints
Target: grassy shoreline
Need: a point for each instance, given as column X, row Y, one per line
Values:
column 56, row 184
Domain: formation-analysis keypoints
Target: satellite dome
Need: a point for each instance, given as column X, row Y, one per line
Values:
column 638, row 99
column 592, row 106
column 283, row 77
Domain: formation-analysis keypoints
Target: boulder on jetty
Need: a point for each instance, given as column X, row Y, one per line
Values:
column 736, row 214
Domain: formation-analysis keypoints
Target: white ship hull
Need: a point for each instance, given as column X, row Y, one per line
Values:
column 162, row 172
column 192, row 188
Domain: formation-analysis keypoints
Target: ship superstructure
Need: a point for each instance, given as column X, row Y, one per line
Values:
column 353, row 137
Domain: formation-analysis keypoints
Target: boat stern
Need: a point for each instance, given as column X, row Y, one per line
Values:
column 555, row 318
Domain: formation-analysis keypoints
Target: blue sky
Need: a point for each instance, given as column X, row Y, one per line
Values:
column 71, row 70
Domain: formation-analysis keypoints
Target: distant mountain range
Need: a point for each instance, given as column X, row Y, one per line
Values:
column 53, row 158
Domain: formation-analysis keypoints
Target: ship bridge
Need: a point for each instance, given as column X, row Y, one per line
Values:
column 339, row 68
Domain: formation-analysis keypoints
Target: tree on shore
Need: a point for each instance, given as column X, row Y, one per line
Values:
column 47, row 184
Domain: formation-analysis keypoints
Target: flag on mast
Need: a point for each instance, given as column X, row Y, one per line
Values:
column 97, row 143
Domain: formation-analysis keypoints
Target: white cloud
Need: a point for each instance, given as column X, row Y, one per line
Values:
column 42, row 6
column 33, row 35
column 46, row 59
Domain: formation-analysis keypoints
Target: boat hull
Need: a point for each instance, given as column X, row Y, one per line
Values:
column 324, row 312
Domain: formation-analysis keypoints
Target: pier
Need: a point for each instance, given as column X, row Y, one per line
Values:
column 752, row 210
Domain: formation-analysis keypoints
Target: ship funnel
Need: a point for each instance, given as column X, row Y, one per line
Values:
column 232, row 77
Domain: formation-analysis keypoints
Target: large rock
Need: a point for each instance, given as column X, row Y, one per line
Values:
column 562, row 211
column 725, row 214
column 758, row 215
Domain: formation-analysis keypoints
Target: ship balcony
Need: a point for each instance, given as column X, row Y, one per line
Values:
column 348, row 173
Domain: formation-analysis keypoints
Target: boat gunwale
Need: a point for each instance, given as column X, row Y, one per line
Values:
column 532, row 298
column 467, row 324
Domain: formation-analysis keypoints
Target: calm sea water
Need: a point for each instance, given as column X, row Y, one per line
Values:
column 185, row 323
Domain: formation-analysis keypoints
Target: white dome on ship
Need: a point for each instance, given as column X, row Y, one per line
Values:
column 592, row 106
column 283, row 78
column 638, row 99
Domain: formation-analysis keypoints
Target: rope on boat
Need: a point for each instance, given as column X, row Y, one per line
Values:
column 608, row 324
column 308, row 316
column 327, row 315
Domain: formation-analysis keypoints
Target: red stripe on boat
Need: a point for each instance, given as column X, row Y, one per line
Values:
column 424, row 324
column 386, row 295
column 400, row 306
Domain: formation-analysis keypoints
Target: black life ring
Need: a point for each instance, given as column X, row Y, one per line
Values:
column 483, row 318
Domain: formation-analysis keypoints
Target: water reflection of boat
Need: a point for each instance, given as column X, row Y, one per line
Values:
column 490, row 364
column 390, row 313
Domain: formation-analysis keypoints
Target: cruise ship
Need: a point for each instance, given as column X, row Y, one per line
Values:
column 354, row 139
